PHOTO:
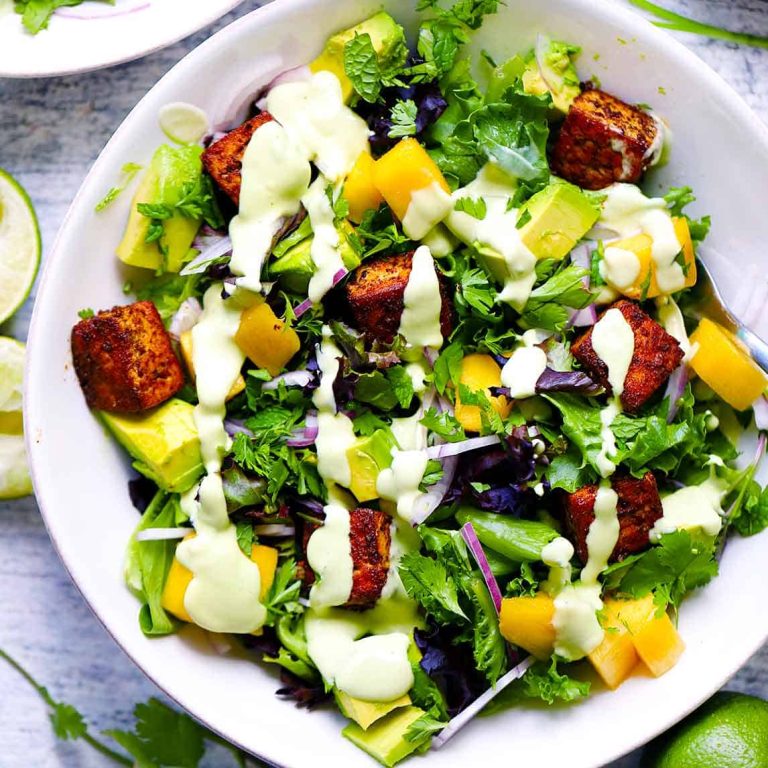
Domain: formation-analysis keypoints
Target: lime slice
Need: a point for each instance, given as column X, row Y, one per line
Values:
column 14, row 472
column 19, row 245
column 11, row 374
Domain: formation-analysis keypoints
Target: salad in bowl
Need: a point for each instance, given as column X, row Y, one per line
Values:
column 420, row 402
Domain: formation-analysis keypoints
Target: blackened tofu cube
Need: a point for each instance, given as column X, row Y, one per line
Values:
column 604, row 140
column 124, row 359
column 224, row 158
column 375, row 294
column 370, row 540
column 656, row 355
column 639, row 507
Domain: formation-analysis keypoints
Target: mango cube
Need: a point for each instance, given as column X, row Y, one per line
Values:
column 267, row 341
column 180, row 577
column 659, row 645
column 359, row 190
column 408, row 174
column 527, row 623
column 479, row 372
column 726, row 366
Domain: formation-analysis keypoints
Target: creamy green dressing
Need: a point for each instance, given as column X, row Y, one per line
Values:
column 427, row 208
column 524, row 367
column 557, row 556
column 671, row 319
column 627, row 211
column 224, row 594
column 577, row 629
column 440, row 241
column 400, row 482
column 182, row 122
column 696, row 507
column 619, row 267
column 497, row 231
column 422, row 303
column 603, row 533
column 614, row 343
column 311, row 123
column 329, row 555
column 325, row 242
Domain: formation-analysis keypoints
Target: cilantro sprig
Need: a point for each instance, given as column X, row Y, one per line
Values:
column 36, row 14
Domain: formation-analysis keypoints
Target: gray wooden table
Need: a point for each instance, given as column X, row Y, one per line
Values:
column 50, row 133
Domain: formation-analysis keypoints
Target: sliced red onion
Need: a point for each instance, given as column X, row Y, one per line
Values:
column 274, row 529
column 303, row 438
column 305, row 306
column 444, row 450
column 303, row 601
column 675, row 390
column 236, row 427
column 290, row 379
column 162, row 534
column 186, row 317
column 431, row 354
column 582, row 318
column 215, row 248
column 428, row 502
column 760, row 407
column 476, row 548
column 581, row 256
column 477, row 705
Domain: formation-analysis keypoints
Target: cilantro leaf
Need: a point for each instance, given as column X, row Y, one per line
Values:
column 546, row 307
column 426, row 581
column 67, row 722
column 475, row 207
column 403, row 115
column 752, row 515
column 129, row 171
column 447, row 368
column 36, row 14
column 422, row 729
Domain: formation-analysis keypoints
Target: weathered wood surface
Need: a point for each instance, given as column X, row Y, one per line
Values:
column 50, row 132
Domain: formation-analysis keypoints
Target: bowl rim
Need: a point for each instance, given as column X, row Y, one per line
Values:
column 280, row 10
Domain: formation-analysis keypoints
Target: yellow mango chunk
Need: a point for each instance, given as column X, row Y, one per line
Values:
column 402, row 171
column 179, row 578
column 527, row 623
column 359, row 190
column 726, row 366
column 479, row 372
column 185, row 345
column 659, row 645
column 641, row 246
column 267, row 341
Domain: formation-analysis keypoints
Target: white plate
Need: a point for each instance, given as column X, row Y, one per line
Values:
column 96, row 35
column 721, row 149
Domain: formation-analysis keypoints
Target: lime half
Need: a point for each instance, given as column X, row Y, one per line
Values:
column 20, row 245
column 14, row 471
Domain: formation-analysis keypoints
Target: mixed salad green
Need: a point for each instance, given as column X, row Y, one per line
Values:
column 449, row 428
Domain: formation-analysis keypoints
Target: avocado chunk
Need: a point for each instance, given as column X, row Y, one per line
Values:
column 366, row 713
column 388, row 41
column 294, row 268
column 170, row 172
column 367, row 457
column 560, row 215
column 559, row 77
column 385, row 740
column 164, row 442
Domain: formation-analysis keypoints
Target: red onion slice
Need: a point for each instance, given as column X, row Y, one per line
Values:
column 274, row 529
column 444, row 450
column 186, row 317
column 760, row 407
column 236, row 427
column 477, row 705
column 583, row 317
column 215, row 248
column 290, row 379
column 476, row 548
column 162, row 534
column 675, row 390
column 303, row 438
column 428, row 502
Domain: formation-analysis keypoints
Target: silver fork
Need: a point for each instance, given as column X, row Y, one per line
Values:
column 709, row 303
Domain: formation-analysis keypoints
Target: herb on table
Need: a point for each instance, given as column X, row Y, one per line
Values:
column 35, row 14
column 670, row 20
column 162, row 737
column 129, row 171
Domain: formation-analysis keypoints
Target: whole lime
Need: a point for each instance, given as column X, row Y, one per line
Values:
column 729, row 731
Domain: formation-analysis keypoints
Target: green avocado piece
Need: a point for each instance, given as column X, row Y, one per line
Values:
column 504, row 76
column 387, row 37
column 560, row 215
column 164, row 442
column 562, row 80
column 170, row 171
column 366, row 713
column 295, row 267
column 385, row 740
column 367, row 457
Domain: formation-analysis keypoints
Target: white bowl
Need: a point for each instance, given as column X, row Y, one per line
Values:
column 721, row 149
column 95, row 35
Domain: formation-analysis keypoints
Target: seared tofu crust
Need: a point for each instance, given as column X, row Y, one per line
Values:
column 124, row 359
column 375, row 297
column 224, row 158
column 656, row 355
column 370, row 539
column 639, row 507
column 603, row 140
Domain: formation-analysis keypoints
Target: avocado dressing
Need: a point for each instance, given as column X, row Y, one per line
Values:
column 696, row 507
column 524, row 367
column 427, row 208
column 328, row 553
column 422, row 303
column 224, row 594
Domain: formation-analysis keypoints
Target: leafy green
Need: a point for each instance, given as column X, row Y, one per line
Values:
column 670, row 20
column 542, row 682
column 444, row 424
column 475, row 207
column 245, row 537
column 525, row 584
column 426, row 581
column 677, row 199
column 36, row 14
column 548, row 303
column 366, row 71
column 169, row 292
column 282, row 599
column 447, row 368
column 403, row 115
column 490, row 419
column 293, row 654
column 148, row 563
column 423, row 728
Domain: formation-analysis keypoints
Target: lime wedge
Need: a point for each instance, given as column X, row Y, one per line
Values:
column 14, row 472
column 20, row 245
